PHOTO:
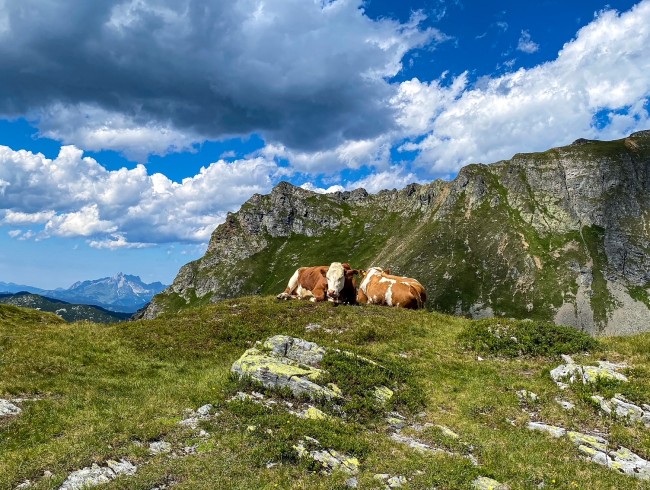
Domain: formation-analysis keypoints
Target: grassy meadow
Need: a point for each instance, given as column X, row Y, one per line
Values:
column 95, row 392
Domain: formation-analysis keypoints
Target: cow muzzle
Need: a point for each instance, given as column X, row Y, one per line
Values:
column 332, row 294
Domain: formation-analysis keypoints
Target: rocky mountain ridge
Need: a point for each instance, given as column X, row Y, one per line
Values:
column 562, row 234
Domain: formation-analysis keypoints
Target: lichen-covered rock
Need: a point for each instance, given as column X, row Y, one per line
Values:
column 570, row 372
column 160, row 447
column 598, row 450
column 383, row 394
column 396, row 481
column 275, row 370
column 526, row 396
column 296, row 349
column 313, row 413
column 330, row 459
column 485, row 483
column 447, row 432
column 621, row 409
column 7, row 408
column 96, row 475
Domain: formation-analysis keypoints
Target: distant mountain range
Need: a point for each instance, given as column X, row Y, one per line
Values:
column 121, row 293
column 69, row 312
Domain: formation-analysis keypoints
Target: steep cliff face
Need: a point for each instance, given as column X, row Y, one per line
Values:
column 563, row 235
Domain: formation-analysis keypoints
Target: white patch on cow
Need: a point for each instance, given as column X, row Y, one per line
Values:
column 335, row 278
column 293, row 282
column 389, row 294
column 373, row 271
column 385, row 279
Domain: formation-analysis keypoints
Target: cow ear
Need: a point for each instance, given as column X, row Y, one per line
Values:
column 387, row 271
column 346, row 266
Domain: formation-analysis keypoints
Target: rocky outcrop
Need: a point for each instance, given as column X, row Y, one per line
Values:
column 561, row 235
column 600, row 451
column 286, row 363
column 570, row 372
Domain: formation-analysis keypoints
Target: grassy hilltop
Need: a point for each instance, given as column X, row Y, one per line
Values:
column 95, row 392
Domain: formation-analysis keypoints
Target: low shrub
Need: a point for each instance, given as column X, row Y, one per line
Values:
column 512, row 338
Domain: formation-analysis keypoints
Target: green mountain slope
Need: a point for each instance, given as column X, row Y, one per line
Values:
column 562, row 235
column 69, row 312
column 91, row 393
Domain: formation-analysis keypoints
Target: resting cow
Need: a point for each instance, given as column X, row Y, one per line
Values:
column 335, row 283
column 381, row 288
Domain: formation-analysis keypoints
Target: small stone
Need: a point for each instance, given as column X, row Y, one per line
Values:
column 447, row 432
column 24, row 485
column 313, row 413
column 383, row 394
column 312, row 327
column 160, row 447
column 204, row 410
column 7, row 408
column 551, row 429
column 352, row 482
column 526, row 396
column 485, row 483
column 395, row 423
column 396, row 481
column 566, row 405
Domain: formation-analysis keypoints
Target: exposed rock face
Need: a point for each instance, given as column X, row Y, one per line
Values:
column 562, row 235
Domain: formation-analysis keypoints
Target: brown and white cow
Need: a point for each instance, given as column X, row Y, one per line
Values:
column 334, row 283
column 382, row 288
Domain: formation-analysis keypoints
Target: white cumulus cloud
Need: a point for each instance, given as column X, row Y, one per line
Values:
column 74, row 196
column 603, row 73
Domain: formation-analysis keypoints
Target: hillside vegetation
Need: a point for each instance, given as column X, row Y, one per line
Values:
column 560, row 235
column 68, row 311
column 90, row 393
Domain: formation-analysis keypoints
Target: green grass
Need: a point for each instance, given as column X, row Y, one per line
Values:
column 106, row 391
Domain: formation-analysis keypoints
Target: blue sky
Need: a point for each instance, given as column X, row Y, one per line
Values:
column 129, row 128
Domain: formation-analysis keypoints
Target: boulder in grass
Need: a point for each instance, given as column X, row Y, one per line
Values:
column 286, row 363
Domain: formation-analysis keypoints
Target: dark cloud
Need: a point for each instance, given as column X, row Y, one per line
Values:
column 308, row 74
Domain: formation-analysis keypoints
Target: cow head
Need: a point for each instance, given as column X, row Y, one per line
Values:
column 335, row 280
column 340, row 280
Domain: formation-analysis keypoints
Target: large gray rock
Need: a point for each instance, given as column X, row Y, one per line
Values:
column 277, row 366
